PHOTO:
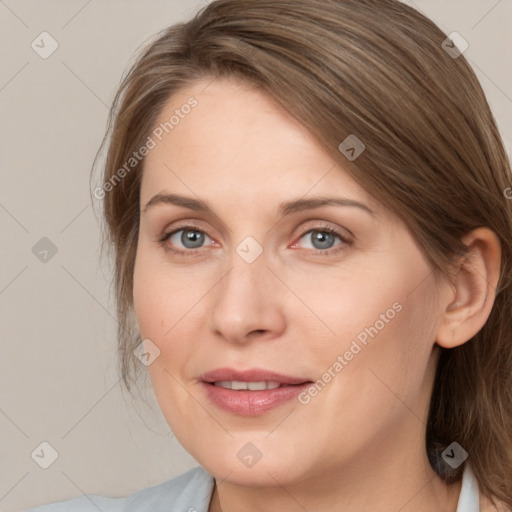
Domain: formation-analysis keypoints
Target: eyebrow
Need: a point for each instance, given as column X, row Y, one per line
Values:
column 285, row 208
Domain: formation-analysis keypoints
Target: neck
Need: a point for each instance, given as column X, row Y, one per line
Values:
column 366, row 485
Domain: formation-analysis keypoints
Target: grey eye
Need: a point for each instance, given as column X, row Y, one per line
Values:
column 320, row 239
column 189, row 238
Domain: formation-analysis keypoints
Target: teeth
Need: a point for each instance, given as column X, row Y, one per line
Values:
column 252, row 386
column 223, row 384
column 256, row 386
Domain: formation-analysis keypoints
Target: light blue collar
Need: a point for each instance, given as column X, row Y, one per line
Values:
column 469, row 499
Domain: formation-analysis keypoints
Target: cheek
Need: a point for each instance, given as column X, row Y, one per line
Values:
column 360, row 301
column 167, row 313
column 170, row 309
column 162, row 296
column 395, row 361
column 375, row 367
column 378, row 318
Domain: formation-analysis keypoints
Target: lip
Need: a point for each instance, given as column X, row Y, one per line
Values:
column 246, row 402
column 250, row 375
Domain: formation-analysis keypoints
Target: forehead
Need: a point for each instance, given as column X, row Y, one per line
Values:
column 237, row 139
column 230, row 122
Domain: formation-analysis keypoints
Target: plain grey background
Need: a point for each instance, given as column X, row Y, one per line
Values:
column 58, row 376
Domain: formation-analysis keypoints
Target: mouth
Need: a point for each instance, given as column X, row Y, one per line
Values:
column 250, row 392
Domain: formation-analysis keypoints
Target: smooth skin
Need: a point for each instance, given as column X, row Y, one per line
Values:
column 359, row 444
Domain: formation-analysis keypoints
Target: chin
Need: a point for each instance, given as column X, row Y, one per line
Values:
column 259, row 475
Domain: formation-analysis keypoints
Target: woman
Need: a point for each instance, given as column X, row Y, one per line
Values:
column 308, row 207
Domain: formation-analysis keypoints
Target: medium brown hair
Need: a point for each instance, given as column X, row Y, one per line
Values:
column 377, row 69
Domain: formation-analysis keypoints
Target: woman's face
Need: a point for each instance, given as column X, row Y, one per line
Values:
column 260, row 260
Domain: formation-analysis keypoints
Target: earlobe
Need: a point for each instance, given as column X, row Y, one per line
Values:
column 473, row 289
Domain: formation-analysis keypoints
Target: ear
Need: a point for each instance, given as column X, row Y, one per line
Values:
column 473, row 289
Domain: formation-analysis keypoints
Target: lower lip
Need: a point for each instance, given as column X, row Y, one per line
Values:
column 251, row 403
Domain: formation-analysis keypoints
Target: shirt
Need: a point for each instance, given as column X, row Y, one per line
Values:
column 192, row 491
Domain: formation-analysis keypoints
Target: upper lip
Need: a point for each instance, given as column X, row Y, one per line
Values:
column 250, row 375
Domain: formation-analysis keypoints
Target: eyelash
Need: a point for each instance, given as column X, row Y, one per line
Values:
column 321, row 229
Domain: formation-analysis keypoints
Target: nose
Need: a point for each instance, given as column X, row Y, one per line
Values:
column 247, row 303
